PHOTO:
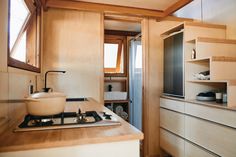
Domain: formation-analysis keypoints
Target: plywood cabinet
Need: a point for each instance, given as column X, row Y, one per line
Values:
column 172, row 143
column 172, row 121
column 222, row 116
column 206, row 131
column 172, row 105
column 214, row 137
column 192, row 150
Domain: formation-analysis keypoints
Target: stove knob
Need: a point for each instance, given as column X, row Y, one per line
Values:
column 107, row 116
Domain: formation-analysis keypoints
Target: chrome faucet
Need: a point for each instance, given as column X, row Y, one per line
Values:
column 45, row 89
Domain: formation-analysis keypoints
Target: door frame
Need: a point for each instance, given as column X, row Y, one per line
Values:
column 145, row 49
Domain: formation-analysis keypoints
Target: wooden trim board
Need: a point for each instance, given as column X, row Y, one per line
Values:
column 214, row 40
column 176, row 6
column 87, row 6
column 115, row 9
column 203, row 24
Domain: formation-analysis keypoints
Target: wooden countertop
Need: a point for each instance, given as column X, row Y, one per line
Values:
column 10, row 141
column 203, row 103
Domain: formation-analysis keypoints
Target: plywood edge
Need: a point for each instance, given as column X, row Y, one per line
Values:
column 173, row 30
column 223, row 59
column 228, row 82
column 174, row 18
column 207, row 25
column 214, row 40
column 214, row 59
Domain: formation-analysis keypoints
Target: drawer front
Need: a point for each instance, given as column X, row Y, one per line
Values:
column 216, row 138
column 172, row 121
column 172, row 105
column 195, row 151
column 221, row 116
column 172, row 143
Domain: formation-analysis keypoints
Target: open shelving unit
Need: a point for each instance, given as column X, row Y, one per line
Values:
column 214, row 53
column 219, row 57
column 120, row 84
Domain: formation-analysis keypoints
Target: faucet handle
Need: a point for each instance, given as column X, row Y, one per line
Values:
column 47, row 90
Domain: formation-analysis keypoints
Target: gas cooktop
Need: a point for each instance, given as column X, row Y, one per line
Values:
column 67, row 120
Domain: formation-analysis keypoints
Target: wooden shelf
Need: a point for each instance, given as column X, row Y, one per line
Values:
column 229, row 82
column 115, row 80
column 116, row 101
column 193, row 41
column 211, row 104
column 199, row 60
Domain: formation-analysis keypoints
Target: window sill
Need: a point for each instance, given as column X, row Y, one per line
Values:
column 21, row 65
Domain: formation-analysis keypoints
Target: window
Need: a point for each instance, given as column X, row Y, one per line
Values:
column 115, row 55
column 24, row 35
column 111, row 54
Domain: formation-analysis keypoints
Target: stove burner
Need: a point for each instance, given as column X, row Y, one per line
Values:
column 66, row 118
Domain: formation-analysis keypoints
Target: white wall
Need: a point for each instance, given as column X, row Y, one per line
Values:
column 213, row 11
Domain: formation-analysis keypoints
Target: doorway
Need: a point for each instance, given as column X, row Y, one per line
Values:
column 123, row 70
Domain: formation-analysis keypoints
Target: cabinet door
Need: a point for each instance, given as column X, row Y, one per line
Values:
column 195, row 151
column 172, row 121
column 172, row 104
column 225, row 117
column 214, row 137
column 171, row 143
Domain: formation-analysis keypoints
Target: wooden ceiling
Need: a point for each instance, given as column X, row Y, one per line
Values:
column 140, row 8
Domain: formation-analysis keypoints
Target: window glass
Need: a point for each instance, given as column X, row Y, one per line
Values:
column 19, row 13
column 24, row 35
column 110, row 55
column 19, row 52
column 138, row 58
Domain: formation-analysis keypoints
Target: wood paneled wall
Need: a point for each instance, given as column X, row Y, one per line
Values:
column 153, row 81
column 73, row 42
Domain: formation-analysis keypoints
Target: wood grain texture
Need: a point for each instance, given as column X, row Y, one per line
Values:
column 208, row 104
column 195, row 151
column 4, row 35
column 224, row 117
column 214, row 40
column 73, row 41
column 176, row 6
column 216, row 138
column 152, row 81
column 171, row 143
column 172, row 121
column 105, row 8
column 70, row 137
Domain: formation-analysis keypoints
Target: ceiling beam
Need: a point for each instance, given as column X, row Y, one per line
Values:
column 176, row 6
column 105, row 8
column 43, row 2
column 114, row 9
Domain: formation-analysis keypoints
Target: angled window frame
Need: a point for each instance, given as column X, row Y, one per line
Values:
column 122, row 48
column 35, row 11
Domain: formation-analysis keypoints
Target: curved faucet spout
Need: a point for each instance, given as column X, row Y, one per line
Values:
column 45, row 78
